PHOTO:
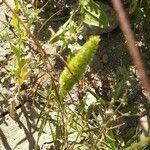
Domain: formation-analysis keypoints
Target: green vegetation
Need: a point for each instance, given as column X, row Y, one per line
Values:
column 77, row 65
column 85, row 109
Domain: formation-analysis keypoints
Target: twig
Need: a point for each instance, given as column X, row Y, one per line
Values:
column 4, row 113
column 133, row 49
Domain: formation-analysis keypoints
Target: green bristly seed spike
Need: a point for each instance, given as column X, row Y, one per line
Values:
column 77, row 65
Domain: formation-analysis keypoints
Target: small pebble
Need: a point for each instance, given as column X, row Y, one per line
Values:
column 105, row 58
column 29, row 5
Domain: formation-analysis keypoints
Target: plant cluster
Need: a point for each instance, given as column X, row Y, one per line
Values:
column 91, row 121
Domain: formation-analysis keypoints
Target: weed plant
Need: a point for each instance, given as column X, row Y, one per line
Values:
column 92, row 122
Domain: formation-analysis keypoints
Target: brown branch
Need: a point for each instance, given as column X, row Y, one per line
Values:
column 133, row 49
